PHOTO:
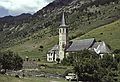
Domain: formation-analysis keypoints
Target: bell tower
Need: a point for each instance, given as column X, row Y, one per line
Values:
column 63, row 38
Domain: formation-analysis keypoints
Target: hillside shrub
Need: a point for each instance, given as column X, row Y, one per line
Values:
column 10, row 61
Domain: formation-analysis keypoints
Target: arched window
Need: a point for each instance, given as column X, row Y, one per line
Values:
column 60, row 30
column 63, row 30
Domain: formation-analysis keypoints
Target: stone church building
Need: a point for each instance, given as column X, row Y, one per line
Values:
column 65, row 46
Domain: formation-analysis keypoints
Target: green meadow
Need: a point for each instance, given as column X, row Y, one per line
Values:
column 109, row 33
column 4, row 78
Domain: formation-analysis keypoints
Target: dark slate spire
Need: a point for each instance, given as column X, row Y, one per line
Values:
column 63, row 21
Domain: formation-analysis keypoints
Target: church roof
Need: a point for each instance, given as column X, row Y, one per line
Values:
column 78, row 45
column 91, row 44
column 102, row 47
column 55, row 48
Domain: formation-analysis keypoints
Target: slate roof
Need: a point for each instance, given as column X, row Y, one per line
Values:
column 102, row 47
column 78, row 45
column 95, row 45
column 55, row 48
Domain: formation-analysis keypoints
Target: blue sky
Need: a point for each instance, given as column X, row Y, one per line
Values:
column 16, row 7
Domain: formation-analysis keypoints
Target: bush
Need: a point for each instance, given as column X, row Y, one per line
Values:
column 2, row 71
column 17, row 76
column 10, row 61
column 41, row 46
column 38, row 59
column 116, row 51
column 58, row 60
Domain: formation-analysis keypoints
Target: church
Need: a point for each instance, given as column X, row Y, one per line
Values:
column 65, row 46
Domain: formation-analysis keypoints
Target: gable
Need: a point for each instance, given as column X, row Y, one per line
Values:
column 101, row 47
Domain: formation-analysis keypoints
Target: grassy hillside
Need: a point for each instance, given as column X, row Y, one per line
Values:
column 30, row 46
column 4, row 78
column 109, row 33
column 44, row 33
column 81, row 15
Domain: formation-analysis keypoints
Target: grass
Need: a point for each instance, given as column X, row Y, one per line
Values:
column 4, row 78
column 55, row 68
column 30, row 46
column 78, row 25
column 109, row 33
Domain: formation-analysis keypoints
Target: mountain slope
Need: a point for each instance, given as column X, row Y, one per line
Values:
column 82, row 15
column 36, row 34
column 108, row 33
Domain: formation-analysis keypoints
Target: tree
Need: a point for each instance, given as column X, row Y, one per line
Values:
column 41, row 48
column 118, row 72
column 87, row 70
column 108, row 62
column 11, row 61
column 18, row 61
column 116, row 51
column 68, row 61
column 89, row 67
column 77, row 56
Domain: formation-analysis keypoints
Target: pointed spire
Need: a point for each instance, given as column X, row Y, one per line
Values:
column 63, row 21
